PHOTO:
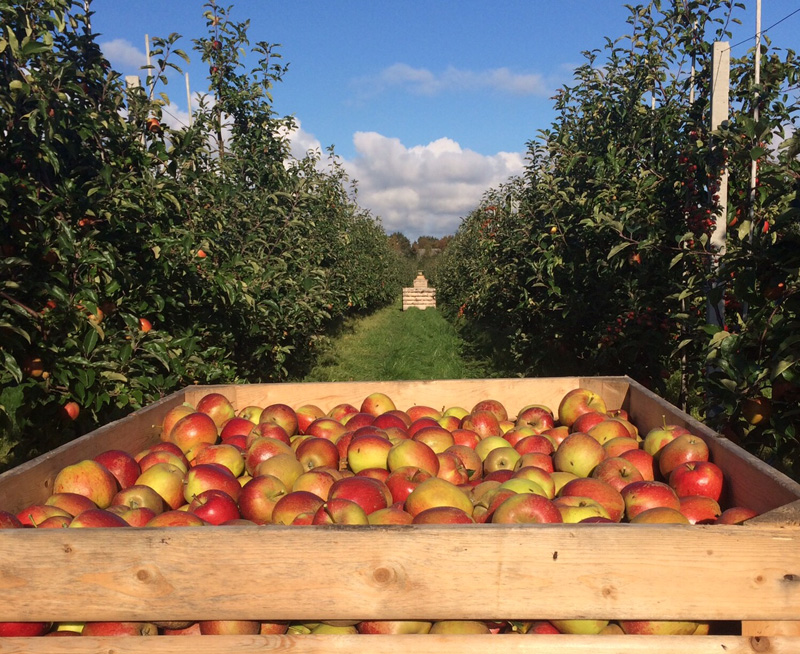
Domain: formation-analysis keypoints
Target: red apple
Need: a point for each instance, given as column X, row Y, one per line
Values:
column 217, row 407
column 577, row 402
column 686, row 447
column 412, row 453
column 403, row 480
column 326, row 428
column 616, row 446
column 451, row 469
column 537, row 417
column 442, row 515
column 643, row 461
column 268, row 430
column 534, row 443
column 586, row 421
column 435, row 492
column 340, row 511
column 697, row 478
column 139, row 517
column 206, row 476
column 291, row 505
column 617, row 472
column 9, row 521
column 340, row 411
column 172, row 417
column 736, row 515
column 659, row 627
column 119, row 629
column 55, row 522
column 370, row 494
column 90, row 479
column 469, row 460
column 492, row 406
column 307, row 414
column 526, row 508
column 122, row 465
column 161, row 456
column 283, row 466
column 605, row 494
column 259, row 496
column 389, row 627
column 35, row 514
column 229, row 627
column 642, row 495
column 658, row 437
column 139, row 496
column 700, row 509
column 537, row 460
column 465, row 437
column 197, row 427
column 540, row 477
column 214, row 506
column 317, row 481
column 391, row 515
column 23, row 629
column 236, row 426
column 377, row 403
column 579, row 454
column 223, row 454
column 177, row 519
column 93, row 518
column 483, row 423
column 607, row 429
column 262, row 449
column 390, row 419
column 72, row 503
column 283, row 416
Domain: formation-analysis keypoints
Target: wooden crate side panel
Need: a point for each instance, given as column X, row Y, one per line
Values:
column 405, row 644
column 410, row 572
column 31, row 482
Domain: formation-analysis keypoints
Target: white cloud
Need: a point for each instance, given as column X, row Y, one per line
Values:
column 424, row 189
column 422, row 81
column 123, row 54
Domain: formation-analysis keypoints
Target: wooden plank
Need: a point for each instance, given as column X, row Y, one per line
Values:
column 409, row 572
column 406, row 644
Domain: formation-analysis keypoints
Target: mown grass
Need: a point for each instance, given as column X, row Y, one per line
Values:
column 393, row 344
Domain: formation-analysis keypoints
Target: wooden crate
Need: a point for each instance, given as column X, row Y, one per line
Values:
column 749, row 574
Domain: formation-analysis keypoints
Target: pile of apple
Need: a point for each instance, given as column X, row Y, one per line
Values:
column 377, row 465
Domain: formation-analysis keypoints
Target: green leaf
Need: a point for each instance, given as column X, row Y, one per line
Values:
column 618, row 248
column 89, row 342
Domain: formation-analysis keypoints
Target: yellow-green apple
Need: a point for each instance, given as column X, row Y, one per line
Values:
column 450, row 423
column 316, row 452
column 217, row 407
column 95, row 518
column 617, row 472
column 283, row 466
column 403, row 480
column 119, row 629
column 579, row 454
column 172, row 417
column 166, row 480
column 658, row 437
column 72, row 503
column 451, row 469
column 57, row 522
column 268, row 430
column 659, row 627
column 251, row 413
column 459, row 627
column 492, row 406
column 368, row 451
column 612, row 629
column 520, row 485
column 389, row 627
column 642, row 495
column 317, row 481
column 537, row 417
column 327, row 428
column 341, row 410
column 577, row 402
column 138, row 517
column 465, row 437
column 139, row 496
column 486, row 445
column 580, row 626
column 229, row 627
column 162, row 456
column 330, row 629
column 500, row 458
column 574, row 509
column 469, row 459
column 207, row 476
column 258, row 497
column 536, row 460
column 288, row 507
column 686, row 447
column 736, row 515
column 483, row 423
column 177, row 519
column 437, row 438
column 540, row 477
column 391, row 515
column 122, row 465
column 700, row 509
column 644, row 462
column 586, row 421
column 35, row 514
column 9, row 521
column 505, row 426
column 437, row 492
column 560, row 479
column 422, row 411
column 526, row 508
column 237, row 426
column 90, row 479
column 607, row 429
column 370, row 494
column 340, row 511
column 306, row 414
column 214, row 506
column 412, row 453
column 262, row 449
column 633, row 430
column 377, row 403
column 223, row 454
column 197, row 427
column 598, row 490
column 697, row 478
column 617, row 446
column 457, row 411
column 442, row 515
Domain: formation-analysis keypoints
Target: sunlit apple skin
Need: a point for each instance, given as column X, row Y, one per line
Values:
column 616, row 446
column 500, row 458
column 139, row 495
column 483, row 423
column 72, row 503
column 608, row 429
column 659, row 627
column 469, row 460
column 268, row 430
column 262, row 449
column 443, row 515
column 697, row 478
column 560, row 479
column 492, row 406
column 223, row 454
column 736, row 515
column 317, row 481
column 437, row 438
column 190, row 630
column 700, row 509
column 377, row 403
column 390, row 419
column 237, row 426
column 119, row 629
column 177, row 519
column 340, row 511
column 229, row 627
column 402, row 481
column 541, row 477
column 412, row 453
column 326, row 428
column 34, row 514
column 206, row 476
column 577, row 402
column 435, row 492
column 465, row 437
column 282, row 415
column 217, row 407
column 459, row 627
column 542, row 627
column 686, row 447
column 421, row 423
column 56, row 522
column 450, row 423
column 167, row 481
column 214, row 506
column 580, row 627
column 617, row 472
column 644, row 462
column 451, row 469
column 486, row 445
column 9, row 521
column 95, row 518
column 579, row 454
column 516, row 434
column 138, row 517
column 259, row 496
column 341, row 410
column 368, row 451
column 586, row 421
column 197, row 427
column 283, row 466
column 122, row 465
column 370, row 494
column 288, row 507
column 306, row 414
column 90, row 479
column 538, row 418
column 23, row 629
column 163, row 447
column 162, row 456
column 526, row 508
column 658, row 437
column 642, row 495
column 535, row 443
column 605, row 494
column 536, row 460
column 660, row 515
column 393, row 627
column 577, row 509
column 172, row 417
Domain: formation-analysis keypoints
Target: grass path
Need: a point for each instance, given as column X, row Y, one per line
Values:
column 392, row 344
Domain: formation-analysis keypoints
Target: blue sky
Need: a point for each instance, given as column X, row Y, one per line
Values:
column 429, row 103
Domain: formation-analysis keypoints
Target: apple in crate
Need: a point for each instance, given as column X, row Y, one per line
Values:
column 659, row 627
column 391, row 515
column 483, row 423
column 442, row 515
column 340, row 511
column 459, row 627
column 368, row 451
column 412, row 453
column 603, row 493
column 262, row 449
column 643, row 461
column 393, row 627
column 697, row 478
column 577, row 509
column 90, row 479
column 642, row 495
column 579, row 454
column 316, row 453
column 293, row 504
column 229, row 627
column 72, row 503
column 317, row 481
column 686, row 447
column 660, row 515
column 700, row 510
column 9, row 521
column 35, row 514
column 119, row 629
column 658, row 437
column 258, row 498
column 217, row 407
column 95, row 518
column 526, row 508
column 166, row 480
column 283, row 415
column 736, row 515
column 577, row 402
column 197, row 427
column 617, row 472
column 537, row 417
column 23, row 629
column 214, row 506
column 370, row 494
column 377, row 403
column 586, row 421
column 122, row 465
column 138, row 496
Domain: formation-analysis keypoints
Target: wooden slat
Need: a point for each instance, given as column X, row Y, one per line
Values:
column 406, row 644
column 409, row 572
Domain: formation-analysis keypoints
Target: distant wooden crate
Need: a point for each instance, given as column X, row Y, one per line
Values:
column 419, row 295
column 748, row 574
